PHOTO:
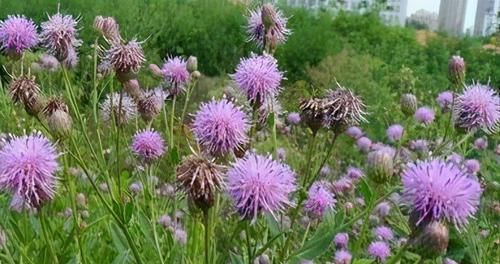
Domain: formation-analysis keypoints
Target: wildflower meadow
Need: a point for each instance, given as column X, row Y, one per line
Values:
column 227, row 132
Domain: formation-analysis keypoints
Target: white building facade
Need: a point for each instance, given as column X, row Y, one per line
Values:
column 452, row 16
column 486, row 17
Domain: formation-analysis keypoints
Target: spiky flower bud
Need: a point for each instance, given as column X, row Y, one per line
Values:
column 108, row 28
column 432, row 239
column 25, row 90
column 343, row 109
column 381, row 164
column 312, row 113
column 56, row 112
column 456, row 70
column 201, row 179
column 192, row 64
column 408, row 104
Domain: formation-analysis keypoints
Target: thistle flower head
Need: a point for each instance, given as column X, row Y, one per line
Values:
column 312, row 112
column 424, row 115
column 258, row 77
column 56, row 112
column 440, row 190
column 17, row 34
column 383, row 233
column 176, row 74
column 118, row 108
column 201, row 179
column 478, row 107
column 472, row 166
column 381, row 164
column 27, row 170
column 343, row 109
column 456, row 69
column 354, row 132
column 259, row 184
column 364, row 144
column 220, row 126
column 383, row 209
column 481, row 143
column 59, row 35
column 343, row 257
column 445, row 100
column 354, row 173
column 395, row 132
column 408, row 103
column 49, row 62
column 293, row 118
column 419, row 145
column 150, row 105
column 270, row 20
column 26, row 91
column 108, row 28
column 319, row 200
column 342, row 185
column 341, row 240
column 148, row 145
column 379, row 250
column 125, row 58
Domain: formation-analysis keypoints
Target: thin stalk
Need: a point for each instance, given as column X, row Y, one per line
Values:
column 249, row 244
column 400, row 254
column 172, row 115
column 117, row 145
column 253, row 129
column 45, row 233
column 186, row 101
column 327, row 156
column 150, row 188
column 309, row 157
column 206, row 222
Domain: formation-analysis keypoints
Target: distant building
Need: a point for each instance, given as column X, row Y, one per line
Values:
column 310, row 3
column 424, row 17
column 486, row 17
column 452, row 16
column 395, row 14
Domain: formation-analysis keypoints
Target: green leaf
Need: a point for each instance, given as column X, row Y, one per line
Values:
column 315, row 247
column 362, row 261
column 365, row 189
column 174, row 156
column 236, row 259
column 270, row 120
column 129, row 210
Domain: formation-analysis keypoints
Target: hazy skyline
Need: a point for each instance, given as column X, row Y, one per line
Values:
column 433, row 5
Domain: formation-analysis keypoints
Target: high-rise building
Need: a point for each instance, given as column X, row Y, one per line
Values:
column 395, row 14
column 486, row 17
column 309, row 3
column 452, row 16
column 424, row 17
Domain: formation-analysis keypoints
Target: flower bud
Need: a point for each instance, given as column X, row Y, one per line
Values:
column 408, row 104
column 268, row 16
column 456, row 70
column 133, row 89
column 192, row 64
column 262, row 259
column 81, row 200
column 56, row 114
column 195, row 75
column 156, row 70
column 432, row 239
column 381, row 165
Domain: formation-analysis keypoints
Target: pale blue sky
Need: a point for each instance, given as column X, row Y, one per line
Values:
column 433, row 5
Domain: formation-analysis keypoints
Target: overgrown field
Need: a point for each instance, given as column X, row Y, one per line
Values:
column 213, row 132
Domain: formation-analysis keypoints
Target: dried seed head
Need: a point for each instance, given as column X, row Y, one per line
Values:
column 126, row 58
column 56, row 114
column 150, row 105
column 312, row 113
column 25, row 90
column 343, row 109
column 201, row 178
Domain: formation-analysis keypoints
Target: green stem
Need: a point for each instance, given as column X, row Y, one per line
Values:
column 309, row 157
column 400, row 254
column 172, row 115
column 249, row 244
column 206, row 222
column 45, row 233
column 325, row 159
column 186, row 101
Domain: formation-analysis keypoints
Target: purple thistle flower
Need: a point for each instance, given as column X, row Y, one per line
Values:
column 341, row 240
column 481, row 143
column 455, row 158
column 456, row 69
column 379, row 250
column 383, row 233
column 343, row 257
column 445, row 100
column 319, row 200
column 115, row 110
column 424, row 115
column 395, row 132
column 293, row 118
column 472, row 166
column 383, row 209
column 176, row 74
column 49, row 62
column 27, row 170
column 449, row 261
column 354, row 132
column 59, row 35
column 354, row 173
column 180, row 236
column 148, row 145
column 325, row 170
column 259, row 184
column 281, row 153
column 478, row 107
column 364, row 144
column 258, row 77
column 440, row 190
column 419, row 145
column 342, row 185
column 220, row 126
column 17, row 34
column 256, row 30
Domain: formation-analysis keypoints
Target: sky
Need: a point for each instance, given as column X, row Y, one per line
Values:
column 433, row 5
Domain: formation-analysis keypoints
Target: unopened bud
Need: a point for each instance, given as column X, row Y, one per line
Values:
column 381, row 165
column 192, row 64
column 432, row 239
column 456, row 70
column 156, row 70
column 409, row 104
column 56, row 114
column 268, row 14
column 196, row 75
column 133, row 89
column 81, row 200
column 262, row 259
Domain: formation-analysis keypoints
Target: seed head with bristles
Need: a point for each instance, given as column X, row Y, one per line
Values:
column 312, row 112
column 151, row 103
column 56, row 112
column 25, row 90
column 59, row 35
column 343, row 109
column 126, row 58
column 201, row 178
